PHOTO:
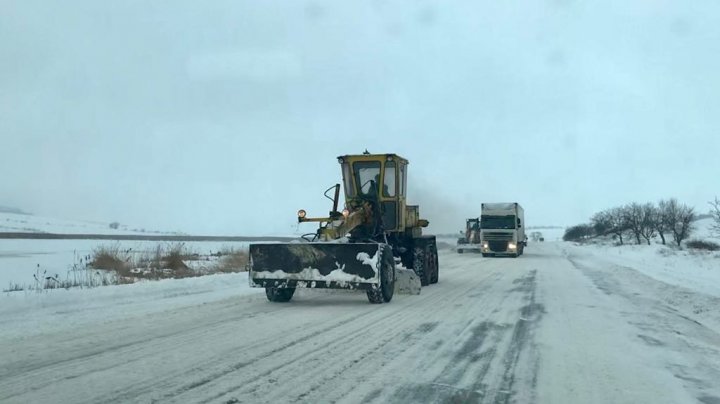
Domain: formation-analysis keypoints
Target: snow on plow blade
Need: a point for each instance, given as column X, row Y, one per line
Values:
column 315, row 265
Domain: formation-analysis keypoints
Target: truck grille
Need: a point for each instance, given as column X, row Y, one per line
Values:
column 496, row 245
column 498, row 236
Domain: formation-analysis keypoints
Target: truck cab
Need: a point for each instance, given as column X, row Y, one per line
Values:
column 502, row 229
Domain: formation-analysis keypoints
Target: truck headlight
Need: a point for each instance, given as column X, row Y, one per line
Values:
column 511, row 246
column 486, row 245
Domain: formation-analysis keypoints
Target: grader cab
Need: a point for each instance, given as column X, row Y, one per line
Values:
column 358, row 247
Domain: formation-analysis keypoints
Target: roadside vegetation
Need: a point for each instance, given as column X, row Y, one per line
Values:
column 668, row 221
column 114, row 265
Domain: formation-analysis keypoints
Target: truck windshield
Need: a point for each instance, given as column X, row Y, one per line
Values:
column 498, row 222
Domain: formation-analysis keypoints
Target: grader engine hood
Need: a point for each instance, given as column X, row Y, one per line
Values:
column 335, row 265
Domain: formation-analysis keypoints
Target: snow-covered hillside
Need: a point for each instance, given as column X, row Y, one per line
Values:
column 22, row 223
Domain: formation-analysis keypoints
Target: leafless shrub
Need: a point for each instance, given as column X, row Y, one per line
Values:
column 111, row 258
column 14, row 287
column 703, row 245
column 232, row 260
column 166, row 261
column 579, row 233
column 715, row 213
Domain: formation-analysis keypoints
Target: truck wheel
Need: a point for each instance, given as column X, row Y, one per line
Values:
column 279, row 295
column 419, row 264
column 385, row 292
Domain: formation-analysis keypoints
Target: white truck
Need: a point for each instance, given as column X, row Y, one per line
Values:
column 502, row 229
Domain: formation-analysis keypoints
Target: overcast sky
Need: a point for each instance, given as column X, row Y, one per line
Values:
column 225, row 117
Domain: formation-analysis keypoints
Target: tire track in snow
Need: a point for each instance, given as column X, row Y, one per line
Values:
column 393, row 316
column 93, row 356
column 433, row 299
column 660, row 323
column 491, row 351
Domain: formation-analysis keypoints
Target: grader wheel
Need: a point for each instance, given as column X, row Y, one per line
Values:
column 420, row 265
column 385, row 292
column 279, row 295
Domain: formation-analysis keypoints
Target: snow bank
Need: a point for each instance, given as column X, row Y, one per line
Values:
column 28, row 313
column 695, row 270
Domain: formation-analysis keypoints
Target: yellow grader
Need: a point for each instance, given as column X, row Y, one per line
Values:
column 358, row 247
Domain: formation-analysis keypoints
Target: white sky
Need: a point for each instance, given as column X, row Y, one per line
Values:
column 225, row 117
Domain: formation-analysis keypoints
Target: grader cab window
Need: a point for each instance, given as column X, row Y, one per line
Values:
column 389, row 183
column 347, row 179
column 367, row 174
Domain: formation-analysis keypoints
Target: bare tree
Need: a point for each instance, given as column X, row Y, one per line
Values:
column 663, row 221
column 633, row 219
column 715, row 213
column 602, row 222
column 618, row 223
column 647, row 221
column 611, row 221
column 682, row 216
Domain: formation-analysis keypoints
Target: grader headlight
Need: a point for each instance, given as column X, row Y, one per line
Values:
column 302, row 213
column 345, row 213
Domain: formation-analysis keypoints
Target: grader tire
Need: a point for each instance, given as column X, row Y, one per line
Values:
column 420, row 265
column 435, row 275
column 385, row 292
column 279, row 295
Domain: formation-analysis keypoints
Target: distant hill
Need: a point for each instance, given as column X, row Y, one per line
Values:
column 16, row 221
column 703, row 216
column 6, row 209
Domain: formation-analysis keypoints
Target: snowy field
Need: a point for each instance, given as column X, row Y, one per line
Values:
column 21, row 259
column 22, row 223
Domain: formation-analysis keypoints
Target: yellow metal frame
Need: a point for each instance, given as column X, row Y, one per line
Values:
column 407, row 216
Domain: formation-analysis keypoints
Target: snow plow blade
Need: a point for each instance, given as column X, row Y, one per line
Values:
column 315, row 265
column 468, row 248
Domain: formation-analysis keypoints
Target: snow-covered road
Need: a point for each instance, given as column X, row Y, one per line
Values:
column 557, row 325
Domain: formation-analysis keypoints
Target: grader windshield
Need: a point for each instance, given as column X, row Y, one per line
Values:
column 367, row 176
column 383, row 175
